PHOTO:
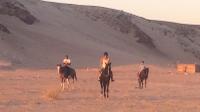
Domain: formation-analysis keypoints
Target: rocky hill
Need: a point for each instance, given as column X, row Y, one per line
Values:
column 37, row 34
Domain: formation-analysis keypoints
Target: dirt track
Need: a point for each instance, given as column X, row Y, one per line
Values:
column 25, row 90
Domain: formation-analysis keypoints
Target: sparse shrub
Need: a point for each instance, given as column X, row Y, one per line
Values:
column 51, row 94
column 14, row 8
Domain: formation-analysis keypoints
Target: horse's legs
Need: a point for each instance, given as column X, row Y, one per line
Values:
column 101, row 87
column 60, row 82
column 104, row 89
column 73, row 81
column 108, row 88
column 75, row 76
column 63, row 84
column 68, row 83
column 139, row 83
column 145, row 83
column 142, row 83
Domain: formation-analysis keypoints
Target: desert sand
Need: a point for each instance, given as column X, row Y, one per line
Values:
column 26, row 90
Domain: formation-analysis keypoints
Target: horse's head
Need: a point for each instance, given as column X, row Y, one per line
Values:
column 108, row 65
column 58, row 67
column 108, row 68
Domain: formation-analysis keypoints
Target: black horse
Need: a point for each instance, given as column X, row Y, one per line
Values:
column 105, row 80
column 143, row 76
column 66, row 72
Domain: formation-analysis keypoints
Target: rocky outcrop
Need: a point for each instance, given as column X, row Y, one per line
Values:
column 4, row 29
column 14, row 8
column 143, row 38
column 186, row 31
column 118, row 20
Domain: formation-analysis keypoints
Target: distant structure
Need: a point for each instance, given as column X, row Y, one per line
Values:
column 188, row 68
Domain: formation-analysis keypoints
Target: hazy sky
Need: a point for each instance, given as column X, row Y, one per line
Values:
column 182, row 11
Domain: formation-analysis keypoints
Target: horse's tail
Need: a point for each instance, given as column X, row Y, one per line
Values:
column 74, row 74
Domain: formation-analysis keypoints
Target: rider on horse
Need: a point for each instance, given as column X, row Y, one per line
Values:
column 141, row 68
column 66, row 62
column 104, row 60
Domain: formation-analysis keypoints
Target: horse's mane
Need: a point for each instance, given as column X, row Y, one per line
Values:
column 107, row 69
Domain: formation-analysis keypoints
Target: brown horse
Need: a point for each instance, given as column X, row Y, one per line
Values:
column 66, row 73
column 143, row 76
column 105, row 80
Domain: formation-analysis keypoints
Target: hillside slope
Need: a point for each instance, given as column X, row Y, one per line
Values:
column 38, row 34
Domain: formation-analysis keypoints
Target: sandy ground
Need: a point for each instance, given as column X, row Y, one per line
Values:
column 26, row 91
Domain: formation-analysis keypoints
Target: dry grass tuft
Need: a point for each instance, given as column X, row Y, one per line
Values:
column 51, row 94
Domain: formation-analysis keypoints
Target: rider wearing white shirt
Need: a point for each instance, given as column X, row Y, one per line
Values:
column 66, row 61
column 141, row 67
column 104, row 60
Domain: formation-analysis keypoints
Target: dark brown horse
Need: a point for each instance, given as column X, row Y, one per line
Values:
column 66, row 73
column 143, row 76
column 105, row 80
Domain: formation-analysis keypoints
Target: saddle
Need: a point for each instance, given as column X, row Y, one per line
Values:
column 66, row 70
